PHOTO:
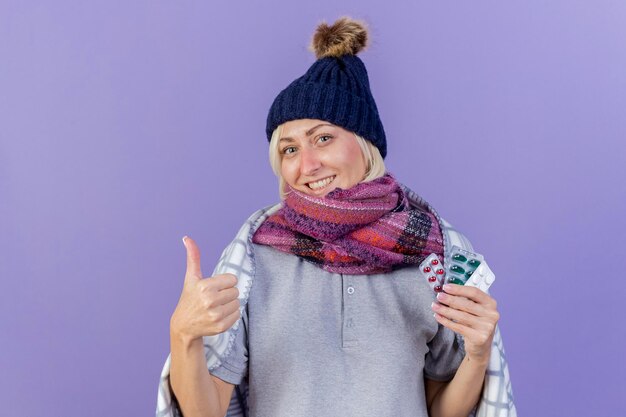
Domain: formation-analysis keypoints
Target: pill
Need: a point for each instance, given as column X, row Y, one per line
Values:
column 454, row 280
column 459, row 257
column 457, row 269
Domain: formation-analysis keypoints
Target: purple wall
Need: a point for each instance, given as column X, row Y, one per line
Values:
column 125, row 126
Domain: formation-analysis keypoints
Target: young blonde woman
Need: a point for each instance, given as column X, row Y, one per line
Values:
column 317, row 308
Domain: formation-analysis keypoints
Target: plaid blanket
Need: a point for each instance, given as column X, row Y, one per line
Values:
column 238, row 259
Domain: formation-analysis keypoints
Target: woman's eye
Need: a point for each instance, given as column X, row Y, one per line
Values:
column 328, row 137
column 289, row 149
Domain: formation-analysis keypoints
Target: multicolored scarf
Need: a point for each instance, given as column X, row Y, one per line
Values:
column 367, row 229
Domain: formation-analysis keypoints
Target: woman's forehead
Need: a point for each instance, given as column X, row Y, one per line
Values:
column 302, row 127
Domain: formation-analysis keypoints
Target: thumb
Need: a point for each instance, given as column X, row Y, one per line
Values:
column 193, row 259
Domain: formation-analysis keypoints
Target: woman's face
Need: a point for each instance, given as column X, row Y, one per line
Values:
column 317, row 157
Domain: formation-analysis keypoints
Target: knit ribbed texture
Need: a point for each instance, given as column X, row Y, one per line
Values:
column 334, row 89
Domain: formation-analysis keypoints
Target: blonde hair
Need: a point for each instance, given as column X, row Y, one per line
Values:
column 375, row 166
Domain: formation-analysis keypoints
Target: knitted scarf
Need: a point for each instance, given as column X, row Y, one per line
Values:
column 367, row 229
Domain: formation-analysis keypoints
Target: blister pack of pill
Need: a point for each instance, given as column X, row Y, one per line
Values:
column 461, row 267
column 469, row 269
column 432, row 270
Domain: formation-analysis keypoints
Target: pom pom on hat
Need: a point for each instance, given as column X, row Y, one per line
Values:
column 345, row 37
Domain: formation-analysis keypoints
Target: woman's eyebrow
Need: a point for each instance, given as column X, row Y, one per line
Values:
column 308, row 132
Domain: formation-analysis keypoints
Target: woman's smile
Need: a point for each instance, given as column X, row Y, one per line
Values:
column 320, row 184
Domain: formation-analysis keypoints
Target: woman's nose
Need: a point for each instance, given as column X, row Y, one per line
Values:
column 309, row 161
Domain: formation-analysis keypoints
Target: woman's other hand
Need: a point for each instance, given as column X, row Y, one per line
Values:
column 473, row 314
column 207, row 306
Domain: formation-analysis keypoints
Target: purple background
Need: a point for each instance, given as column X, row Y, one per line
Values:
column 125, row 126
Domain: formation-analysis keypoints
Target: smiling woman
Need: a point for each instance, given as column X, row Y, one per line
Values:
column 312, row 150
column 319, row 306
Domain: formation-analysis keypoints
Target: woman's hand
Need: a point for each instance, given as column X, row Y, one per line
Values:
column 207, row 306
column 475, row 317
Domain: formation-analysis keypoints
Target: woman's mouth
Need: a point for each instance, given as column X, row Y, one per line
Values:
column 318, row 185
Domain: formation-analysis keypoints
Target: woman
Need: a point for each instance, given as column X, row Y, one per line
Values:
column 334, row 320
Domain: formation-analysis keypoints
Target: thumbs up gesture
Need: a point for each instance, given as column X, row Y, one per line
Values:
column 207, row 306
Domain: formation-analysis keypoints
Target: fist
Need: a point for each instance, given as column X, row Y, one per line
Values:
column 207, row 306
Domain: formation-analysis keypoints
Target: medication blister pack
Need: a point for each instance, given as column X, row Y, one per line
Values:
column 461, row 267
column 431, row 268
